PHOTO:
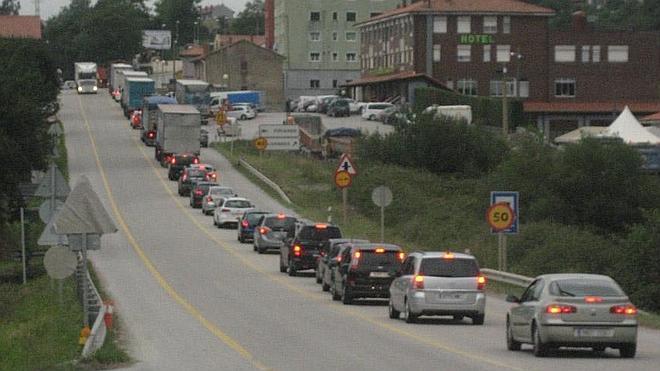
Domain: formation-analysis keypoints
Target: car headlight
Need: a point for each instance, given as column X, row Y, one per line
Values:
column 80, row 88
column 95, row 88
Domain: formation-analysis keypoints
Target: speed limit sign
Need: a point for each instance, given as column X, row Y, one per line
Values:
column 500, row 216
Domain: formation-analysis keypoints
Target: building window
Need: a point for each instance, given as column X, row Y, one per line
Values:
column 497, row 91
column 565, row 88
column 351, row 57
column 617, row 53
column 585, row 53
column 351, row 16
column 335, row 56
column 334, row 36
column 314, row 57
column 523, row 89
column 503, row 53
column 314, row 84
column 564, row 53
column 467, row 87
column 436, row 53
column 334, row 83
column 351, row 36
column 315, row 36
column 334, row 16
column 439, row 24
column 506, row 24
column 464, row 24
column 315, row 16
column 487, row 52
column 490, row 24
column 595, row 53
column 464, row 53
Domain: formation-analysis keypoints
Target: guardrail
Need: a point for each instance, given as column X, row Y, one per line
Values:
column 265, row 179
column 510, row 278
column 95, row 306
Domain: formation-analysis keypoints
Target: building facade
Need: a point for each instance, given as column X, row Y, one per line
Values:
column 20, row 26
column 474, row 46
column 320, row 41
column 247, row 66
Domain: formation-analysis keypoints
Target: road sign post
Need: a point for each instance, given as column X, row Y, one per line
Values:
column 382, row 197
column 343, row 180
column 502, row 216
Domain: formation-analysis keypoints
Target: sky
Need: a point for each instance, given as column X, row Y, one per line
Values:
column 50, row 8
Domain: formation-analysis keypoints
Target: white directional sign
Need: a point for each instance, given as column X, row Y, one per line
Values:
column 346, row 164
column 280, row 137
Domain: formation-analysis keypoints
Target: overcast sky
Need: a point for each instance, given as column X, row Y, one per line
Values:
column 50, row 8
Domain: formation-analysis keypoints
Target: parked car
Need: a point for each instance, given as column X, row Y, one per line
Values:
column 439, row 284
column 251, row 105
column 241, row 112
column 329, row 258
column 339, row 107
column 198, row 191
column 371, row 110
column 366, row 270
column 302, row 252
column 190, row 175
column 248, row 222
column 213, row 197
column 323, row 102
column 355, row 106
column 230, row 210
column 178, row 162
column 272, row 231
column 385, row 114
column 572, row 310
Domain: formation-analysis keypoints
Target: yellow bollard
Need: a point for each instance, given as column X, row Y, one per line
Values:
column 84, row 334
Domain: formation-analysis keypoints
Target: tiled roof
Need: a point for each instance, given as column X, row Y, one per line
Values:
column 193, row 51
column 20, row 26
column 223, row 40
column 653, row 117
column 589, row 107
column 404, row 75
column 468, row 6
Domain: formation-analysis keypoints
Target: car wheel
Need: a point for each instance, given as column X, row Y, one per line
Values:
column 261, row 250
column 254, row 247
column 325, row 286
column 408, row 314
column 318, row 278
column 478, row 319
column 243, row 117
column 335, row 294
column 346, row 297
column 598, row 349
column 394, row 314
column 239, row 238
column 511, row 344
column 214, row 222
column 540, row 348
column 291, row 270
column 372, row 117
column 628, row 350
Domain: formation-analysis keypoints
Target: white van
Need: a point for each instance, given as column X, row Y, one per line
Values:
column 457, row 112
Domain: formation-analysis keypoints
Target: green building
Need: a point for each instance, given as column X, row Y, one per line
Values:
column 320, row 42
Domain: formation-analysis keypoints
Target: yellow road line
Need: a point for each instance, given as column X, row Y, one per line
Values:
column 228, row 340
column 284, row 282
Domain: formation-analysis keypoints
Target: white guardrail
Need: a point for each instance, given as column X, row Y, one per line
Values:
column 510, row 278
column 265, row 179
column 96, row 310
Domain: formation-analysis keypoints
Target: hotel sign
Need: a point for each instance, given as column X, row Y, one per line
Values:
column 476, row 39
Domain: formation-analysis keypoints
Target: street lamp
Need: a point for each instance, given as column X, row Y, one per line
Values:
column 505, row 104
column 196, row 32
column 175, row 53
column 517, row 56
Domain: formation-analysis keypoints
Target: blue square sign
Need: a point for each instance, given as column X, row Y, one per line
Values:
column 511, row 198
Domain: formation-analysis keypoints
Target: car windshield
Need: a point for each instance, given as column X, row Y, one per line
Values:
column 379, row 106
column 238, row 204
column 374, row 259
column 280, row 224
column 585, row 287
column 441, row 267
column 319, row 234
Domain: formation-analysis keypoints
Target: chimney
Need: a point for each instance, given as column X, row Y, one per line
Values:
column 269, row 23
column 579, row 20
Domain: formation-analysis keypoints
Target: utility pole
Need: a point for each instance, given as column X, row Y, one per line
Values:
column 505, row 104
column 175, row 53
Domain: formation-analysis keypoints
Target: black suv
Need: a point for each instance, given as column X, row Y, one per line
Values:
column 190, row 176
column 328, row 259
column 178, row 162
column 366, row 270
column 304, row 249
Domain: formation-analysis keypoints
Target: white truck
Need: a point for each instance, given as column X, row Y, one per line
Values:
column 85, row 75
column 178, row 130
column 456, row 112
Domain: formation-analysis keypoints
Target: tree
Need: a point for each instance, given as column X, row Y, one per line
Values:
column 10, row 7
column 185, row 12
column 250, row 21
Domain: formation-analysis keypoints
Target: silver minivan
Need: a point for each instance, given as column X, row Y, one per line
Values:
column 438, row 284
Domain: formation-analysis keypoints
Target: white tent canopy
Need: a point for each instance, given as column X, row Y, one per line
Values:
column 630, row 130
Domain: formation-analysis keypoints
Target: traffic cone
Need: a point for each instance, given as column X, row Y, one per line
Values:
column 107, row 317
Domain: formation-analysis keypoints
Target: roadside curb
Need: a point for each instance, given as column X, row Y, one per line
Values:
column 265, row 179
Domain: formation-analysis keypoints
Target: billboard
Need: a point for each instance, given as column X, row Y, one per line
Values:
column 157, row 39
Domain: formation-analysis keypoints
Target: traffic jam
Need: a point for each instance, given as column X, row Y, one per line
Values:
column 555, row 310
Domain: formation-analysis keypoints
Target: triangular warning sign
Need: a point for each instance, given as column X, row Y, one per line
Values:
column 345, row 164
column 45, row 188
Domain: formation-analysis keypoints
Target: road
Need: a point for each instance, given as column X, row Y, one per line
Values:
column 192, row 298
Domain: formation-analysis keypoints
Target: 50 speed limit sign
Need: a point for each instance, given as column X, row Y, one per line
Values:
column 500, row 216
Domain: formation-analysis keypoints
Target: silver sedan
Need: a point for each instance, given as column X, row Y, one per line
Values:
column 213, row 197
column 572, row 310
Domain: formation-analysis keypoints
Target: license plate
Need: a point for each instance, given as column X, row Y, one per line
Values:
column 594, row 332
column 379, row 274
column 451, row 296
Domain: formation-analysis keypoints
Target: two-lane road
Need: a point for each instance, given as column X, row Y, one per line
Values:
column 192, row 298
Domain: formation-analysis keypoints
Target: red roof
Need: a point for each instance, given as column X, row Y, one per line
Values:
column 194, row 51
column 653, row 117
column 468, row 6
column 20, row 26
column 403, row 75
column 589, row 107
column 223, row 40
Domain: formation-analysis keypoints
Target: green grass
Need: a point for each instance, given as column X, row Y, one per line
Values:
column 651, row 320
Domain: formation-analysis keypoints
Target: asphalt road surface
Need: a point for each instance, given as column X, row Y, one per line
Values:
column 192, row 298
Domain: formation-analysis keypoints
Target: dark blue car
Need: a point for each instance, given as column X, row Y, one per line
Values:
column 247, row 223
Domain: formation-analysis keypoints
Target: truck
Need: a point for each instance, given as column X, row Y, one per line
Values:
column 253, row 97
column 113, row 76
column 85, row 76
column 150, row 117
column 196, row 93
column 178, row 130
column 135, row 89
column 121, row 82
column 456, row 112
column 311, row 133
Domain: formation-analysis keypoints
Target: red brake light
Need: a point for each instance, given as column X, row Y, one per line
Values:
column 380, row 250
column 297, row 250
column 593, row 299
column 402, row 256
column 481, row 282
column 357, row 255
column 628, row 309
column 418, row 282
column 209, row 198
column 195, row 160
column 265, row 230
column 151, row 134
column 560, row 309
column 280, row 216
column 245, row 223
column 338, row 258
column 199, row 192
column 173, row 160
column 321, row 226
column 185, row 176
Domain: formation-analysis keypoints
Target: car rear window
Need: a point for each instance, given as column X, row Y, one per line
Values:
column 319, row 234
column 283, row 224
column 440, row 267
column 222, row 191
column 203, row 187
column 196, row 173
column 585, row 287
column 379, row 106
column 184, row 160
column 253, row 218
column 373, row 259
column 239, row 204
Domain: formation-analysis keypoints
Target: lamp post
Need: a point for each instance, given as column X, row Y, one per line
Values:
column 175, row 53
column 196, row 32
column 505, row 104
column 517, row 56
